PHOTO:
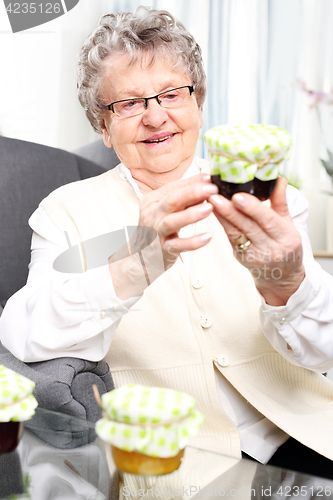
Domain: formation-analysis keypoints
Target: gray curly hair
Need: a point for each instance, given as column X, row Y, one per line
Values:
column 145, row 31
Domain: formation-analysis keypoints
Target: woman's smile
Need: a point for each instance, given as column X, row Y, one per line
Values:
column 159, row 138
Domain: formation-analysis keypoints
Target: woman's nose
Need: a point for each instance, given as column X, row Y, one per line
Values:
column 154, row 115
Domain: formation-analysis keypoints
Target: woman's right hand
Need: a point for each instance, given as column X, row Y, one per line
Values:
column 167, row 210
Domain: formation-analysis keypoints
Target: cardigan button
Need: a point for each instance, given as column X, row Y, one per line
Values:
column 197, row 282
column 206, row 321
column 102, row 314
column 223, row 360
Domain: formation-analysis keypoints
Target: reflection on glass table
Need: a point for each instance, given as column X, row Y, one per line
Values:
column 60, row 458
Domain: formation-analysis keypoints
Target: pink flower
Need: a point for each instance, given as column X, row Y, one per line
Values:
column 316, row 96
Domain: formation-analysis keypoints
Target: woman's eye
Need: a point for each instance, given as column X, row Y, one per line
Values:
column 170, row 97
column 130, row 104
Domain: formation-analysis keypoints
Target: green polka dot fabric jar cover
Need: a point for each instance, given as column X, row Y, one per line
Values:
column 148, row 427
column 17, row 404
column 247, row 158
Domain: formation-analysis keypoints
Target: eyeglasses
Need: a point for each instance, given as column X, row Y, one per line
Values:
column 173, row 98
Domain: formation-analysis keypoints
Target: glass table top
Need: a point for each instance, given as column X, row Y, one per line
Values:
column 61, row 458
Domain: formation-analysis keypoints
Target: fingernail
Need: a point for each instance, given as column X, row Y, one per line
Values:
column 209, row 188
column 205, row 208
column 206, row 177
column 218, row 200
column 206, row 236
column 238, row 198
column 266, row 203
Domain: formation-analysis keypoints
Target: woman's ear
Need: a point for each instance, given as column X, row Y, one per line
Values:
column 200, row 117
column 106, row 137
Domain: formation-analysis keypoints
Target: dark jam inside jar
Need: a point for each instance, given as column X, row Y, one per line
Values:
column 10, row 435
column 260, row 189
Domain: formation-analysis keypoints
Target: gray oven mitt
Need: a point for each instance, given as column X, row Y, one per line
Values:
column 65, row 384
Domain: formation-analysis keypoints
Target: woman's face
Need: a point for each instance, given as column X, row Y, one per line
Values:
column 151, row 163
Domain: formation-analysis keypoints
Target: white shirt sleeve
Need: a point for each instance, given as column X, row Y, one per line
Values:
column 59, row 314
column 305, row 323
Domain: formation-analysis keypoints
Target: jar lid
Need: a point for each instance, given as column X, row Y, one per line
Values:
column 239, row 153
column 16, row 400
column 151, row 420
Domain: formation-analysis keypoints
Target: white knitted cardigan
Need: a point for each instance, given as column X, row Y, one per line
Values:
column 164, row 344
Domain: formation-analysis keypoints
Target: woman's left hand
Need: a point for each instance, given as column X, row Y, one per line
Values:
column 275, row 254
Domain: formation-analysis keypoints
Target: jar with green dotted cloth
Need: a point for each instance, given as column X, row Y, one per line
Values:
column 149, row 426
column 247, row 158
column 17, row 404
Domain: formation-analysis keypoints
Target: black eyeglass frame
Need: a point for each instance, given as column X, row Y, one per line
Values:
column 110, row 107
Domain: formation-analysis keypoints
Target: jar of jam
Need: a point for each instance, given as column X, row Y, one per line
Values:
column 148, row 427
column 247, row 158
column 17, row 404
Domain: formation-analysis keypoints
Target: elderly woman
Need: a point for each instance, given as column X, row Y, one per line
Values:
column 250, row 351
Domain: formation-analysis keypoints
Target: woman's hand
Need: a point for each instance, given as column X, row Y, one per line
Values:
column 174, row 206
column 167, row 210
column 274, row 257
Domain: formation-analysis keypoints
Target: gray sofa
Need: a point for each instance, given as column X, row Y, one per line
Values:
column 28, row 173
column 100, row 154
